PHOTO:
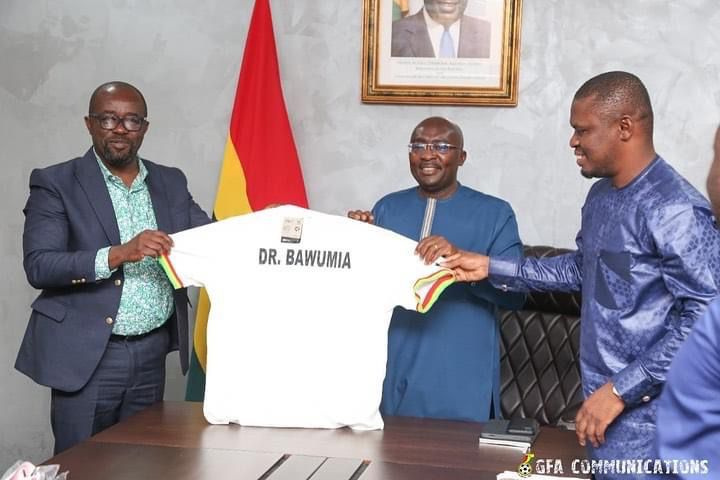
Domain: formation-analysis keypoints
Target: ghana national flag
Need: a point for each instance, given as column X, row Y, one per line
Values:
column 260, row 166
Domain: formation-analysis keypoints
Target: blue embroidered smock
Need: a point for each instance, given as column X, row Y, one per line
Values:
column 647, row 262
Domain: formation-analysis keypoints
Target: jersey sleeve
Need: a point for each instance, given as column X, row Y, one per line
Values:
column 412, row 284
column 193, row 255
column 427, row 289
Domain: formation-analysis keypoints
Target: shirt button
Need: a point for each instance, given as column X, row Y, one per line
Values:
column 646, row 398
column 109, row 320
column 504, row 287
column 118, row 282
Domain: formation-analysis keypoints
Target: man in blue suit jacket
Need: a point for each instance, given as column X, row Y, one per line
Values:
column 106, row 317
column 421, row 34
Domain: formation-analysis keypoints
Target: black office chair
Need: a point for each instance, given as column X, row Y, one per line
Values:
column 539, row 363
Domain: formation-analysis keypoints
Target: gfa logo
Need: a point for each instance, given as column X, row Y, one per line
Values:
column 525, row 469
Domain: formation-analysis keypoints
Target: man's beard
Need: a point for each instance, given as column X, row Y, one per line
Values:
column 119, row 160
column 596, row 173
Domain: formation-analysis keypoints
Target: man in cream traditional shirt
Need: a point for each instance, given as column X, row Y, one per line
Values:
column 441, row 30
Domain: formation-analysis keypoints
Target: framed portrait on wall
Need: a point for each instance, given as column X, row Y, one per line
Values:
column 451, row 52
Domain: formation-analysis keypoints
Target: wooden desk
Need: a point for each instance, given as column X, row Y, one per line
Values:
column 172, row 440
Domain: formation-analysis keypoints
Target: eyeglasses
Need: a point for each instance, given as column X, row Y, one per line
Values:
column 433, row 147
column 108, row 121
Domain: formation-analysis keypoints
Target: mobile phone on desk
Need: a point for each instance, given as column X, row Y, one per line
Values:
column 523, row 426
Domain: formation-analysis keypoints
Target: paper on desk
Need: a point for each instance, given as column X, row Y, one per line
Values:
column 507, row 475
column 22, row 470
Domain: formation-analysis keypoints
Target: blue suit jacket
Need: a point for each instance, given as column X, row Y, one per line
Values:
column 410, row 37
column 68, row 217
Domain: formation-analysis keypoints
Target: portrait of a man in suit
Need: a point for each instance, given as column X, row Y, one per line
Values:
column 440, row 29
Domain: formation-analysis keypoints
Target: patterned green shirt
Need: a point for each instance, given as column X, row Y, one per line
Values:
column 147, row 299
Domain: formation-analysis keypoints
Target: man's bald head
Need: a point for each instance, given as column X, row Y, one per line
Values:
column 436, row 152
column 117, row 124
column 615, row 94
column 111, row 88
column 438, row 122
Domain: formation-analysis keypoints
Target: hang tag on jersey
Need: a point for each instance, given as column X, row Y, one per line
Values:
column 291, row 230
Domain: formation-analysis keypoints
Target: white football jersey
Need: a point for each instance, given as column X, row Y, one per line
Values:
column 300, row 307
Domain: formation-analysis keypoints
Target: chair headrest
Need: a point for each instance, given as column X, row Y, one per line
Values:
column 553, row 302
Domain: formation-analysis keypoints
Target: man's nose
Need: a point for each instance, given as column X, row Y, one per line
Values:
column 428, row 151
column 120, row 127
column 574, row 141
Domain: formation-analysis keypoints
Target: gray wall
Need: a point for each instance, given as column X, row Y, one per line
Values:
column 185, row 56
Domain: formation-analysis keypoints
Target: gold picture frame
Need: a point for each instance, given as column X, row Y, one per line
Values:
column 396, row 70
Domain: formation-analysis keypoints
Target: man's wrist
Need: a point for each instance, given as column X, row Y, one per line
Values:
column 115, row 256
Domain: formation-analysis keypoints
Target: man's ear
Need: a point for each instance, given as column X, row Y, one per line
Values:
column 626, row 126
column 463, row 156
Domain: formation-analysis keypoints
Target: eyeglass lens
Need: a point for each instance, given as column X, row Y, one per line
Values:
column 131, row 123
column 437, row 147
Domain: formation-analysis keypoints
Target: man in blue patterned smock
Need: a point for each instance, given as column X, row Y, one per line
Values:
column 445, row 363
column 646, row 261
column 107, row 315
